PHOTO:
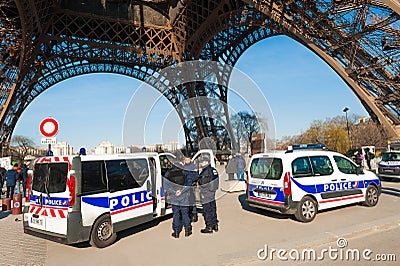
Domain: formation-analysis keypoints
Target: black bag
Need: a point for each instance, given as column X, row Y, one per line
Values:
column 214, row 185
column 176, row 175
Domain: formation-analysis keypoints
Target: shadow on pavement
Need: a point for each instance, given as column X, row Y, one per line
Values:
column 245, row 206
column 391, row 191
column 130, row 231
column 4, row 214
column 142, row 227
column 389, row 180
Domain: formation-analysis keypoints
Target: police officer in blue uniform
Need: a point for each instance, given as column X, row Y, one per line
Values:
column 192, row 177
column 208, row 181
column 177, row 186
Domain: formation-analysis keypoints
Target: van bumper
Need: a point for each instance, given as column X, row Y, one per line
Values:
column 289, row 207
column 76, row 232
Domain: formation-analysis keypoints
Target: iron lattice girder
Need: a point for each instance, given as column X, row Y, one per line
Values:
column 59, row 43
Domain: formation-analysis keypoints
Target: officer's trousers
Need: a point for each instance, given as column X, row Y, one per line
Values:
column 210, row 213
column 180, row 214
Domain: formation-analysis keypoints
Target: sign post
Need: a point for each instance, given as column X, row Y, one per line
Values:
column 49, row 128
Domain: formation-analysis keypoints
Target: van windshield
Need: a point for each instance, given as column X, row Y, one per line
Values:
column 266, row 168
column 391, row 156
column 50, row 177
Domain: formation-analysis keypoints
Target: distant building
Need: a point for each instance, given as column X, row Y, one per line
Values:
column 62, row 149
column 106, row 147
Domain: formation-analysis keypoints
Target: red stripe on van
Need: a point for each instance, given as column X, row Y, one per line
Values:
column 52, row 213
column 131, row 208
column 268, row 201
column 346, row 198
column 61, row 212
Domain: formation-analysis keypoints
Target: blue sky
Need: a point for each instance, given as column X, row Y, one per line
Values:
column 298, row 85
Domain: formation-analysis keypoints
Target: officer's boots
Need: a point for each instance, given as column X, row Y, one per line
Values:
column 175, row 234
column 188, row 232
column 195, row 218
column 207, row 230
column 215, row 227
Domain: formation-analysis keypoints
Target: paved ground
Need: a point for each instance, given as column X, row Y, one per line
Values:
column 243, row 232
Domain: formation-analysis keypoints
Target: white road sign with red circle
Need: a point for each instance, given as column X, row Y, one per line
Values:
column 48, row 127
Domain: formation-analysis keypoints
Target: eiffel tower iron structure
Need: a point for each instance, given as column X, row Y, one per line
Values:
column 44, row 42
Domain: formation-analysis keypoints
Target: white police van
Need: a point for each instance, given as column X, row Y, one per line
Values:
column 306, row 179
column 74, row 199
column 389, row 166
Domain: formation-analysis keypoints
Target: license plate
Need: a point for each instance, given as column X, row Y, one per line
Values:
column 265, row 195
column 389, row 171
column 37, row 221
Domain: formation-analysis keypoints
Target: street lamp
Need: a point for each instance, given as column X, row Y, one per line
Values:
column 345, row 110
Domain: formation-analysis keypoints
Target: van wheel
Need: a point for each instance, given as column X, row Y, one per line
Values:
column 307, row 210
column 102, row 234
column 371, row 196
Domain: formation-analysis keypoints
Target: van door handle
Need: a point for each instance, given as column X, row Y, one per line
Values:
column 343, row 179
column 333, row 179
column 148, row 186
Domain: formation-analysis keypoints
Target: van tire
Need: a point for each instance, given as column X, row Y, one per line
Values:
column 102, row 234
column 371, row 196
column 306, row 210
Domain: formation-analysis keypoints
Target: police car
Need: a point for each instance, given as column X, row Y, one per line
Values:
column 389, row 166
column 306, row 179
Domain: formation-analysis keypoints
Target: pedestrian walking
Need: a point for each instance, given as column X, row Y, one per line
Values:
column 231, row 168
column 11, row 177
column 240, row 165
column 191, row 179
column 209, row 183
column 368, row 157
column 18, row 181
column 177, row 188
column 24, row 178
column 2, row 174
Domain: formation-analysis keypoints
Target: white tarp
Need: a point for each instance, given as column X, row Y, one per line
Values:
column 5, row 162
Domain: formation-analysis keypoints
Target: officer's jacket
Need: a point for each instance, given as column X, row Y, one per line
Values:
column 11, row 177
column 171, row 188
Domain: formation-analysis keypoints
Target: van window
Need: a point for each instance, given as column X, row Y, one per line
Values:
column 50, row 177
column 321, row 165
column 126, row 174
column 93, row 177
column 391, row 156
column 266, row 168
column 344, row 165
column 301, row 167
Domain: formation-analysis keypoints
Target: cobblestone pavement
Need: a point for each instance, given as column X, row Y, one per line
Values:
column 17, row 248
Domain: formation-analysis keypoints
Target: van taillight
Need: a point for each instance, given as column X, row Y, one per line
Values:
column 71, row 187
column 287, row 188
column 28, row 188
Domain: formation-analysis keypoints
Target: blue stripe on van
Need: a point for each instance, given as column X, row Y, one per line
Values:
column 97, row 201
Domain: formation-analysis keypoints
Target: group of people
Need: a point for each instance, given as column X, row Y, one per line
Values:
column 14, row 177
column 236, row 165
column 358, row 157
column 180, row 182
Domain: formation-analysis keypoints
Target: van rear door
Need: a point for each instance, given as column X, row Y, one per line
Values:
column 49, row 200
column 265, row 181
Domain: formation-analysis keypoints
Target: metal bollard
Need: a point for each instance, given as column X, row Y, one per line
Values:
column 6, row 205
column 17, row 204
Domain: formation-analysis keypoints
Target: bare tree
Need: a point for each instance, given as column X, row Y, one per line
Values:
column 368, row 133
column 23, row 144
column 245, row 125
